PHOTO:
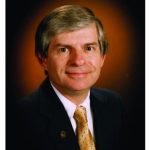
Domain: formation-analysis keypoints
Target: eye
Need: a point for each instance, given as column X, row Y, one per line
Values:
column 89, row 48
column 63, row 49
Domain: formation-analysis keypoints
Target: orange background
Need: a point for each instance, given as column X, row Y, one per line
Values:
column 118, row 68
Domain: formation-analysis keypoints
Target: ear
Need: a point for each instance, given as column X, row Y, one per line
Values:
column 43, row 62
column 102, row 59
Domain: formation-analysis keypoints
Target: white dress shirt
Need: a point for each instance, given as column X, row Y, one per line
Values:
column 71, row 107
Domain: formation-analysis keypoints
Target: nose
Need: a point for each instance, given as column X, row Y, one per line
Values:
column 77, row 58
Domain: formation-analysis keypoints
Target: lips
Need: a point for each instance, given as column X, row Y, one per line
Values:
column 77, row 75
column 78, row 72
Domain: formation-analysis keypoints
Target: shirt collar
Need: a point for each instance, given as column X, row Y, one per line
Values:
column 69, row 106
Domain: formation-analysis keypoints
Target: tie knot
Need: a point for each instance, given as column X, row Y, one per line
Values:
column 80, row 114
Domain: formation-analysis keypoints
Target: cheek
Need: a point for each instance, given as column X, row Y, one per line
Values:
column 56, row 64
column 95, row 62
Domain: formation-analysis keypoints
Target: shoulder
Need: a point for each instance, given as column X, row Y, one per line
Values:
column 33, row 99
column 28, row 104
column 105, row 94
column 107, row 97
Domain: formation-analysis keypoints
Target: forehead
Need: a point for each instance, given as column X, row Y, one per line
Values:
column 83, row 35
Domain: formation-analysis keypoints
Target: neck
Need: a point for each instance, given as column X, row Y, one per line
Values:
column 76, row 97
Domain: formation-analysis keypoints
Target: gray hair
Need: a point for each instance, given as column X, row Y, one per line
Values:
column 66, row 18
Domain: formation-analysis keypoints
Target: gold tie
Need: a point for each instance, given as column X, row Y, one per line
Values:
column 84, row 136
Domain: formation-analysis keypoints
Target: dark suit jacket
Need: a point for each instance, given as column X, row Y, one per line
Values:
column 43, row 124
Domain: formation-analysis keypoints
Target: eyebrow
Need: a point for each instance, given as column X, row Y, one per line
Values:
column 92, row 43
column 86, row 44
column 64, row 45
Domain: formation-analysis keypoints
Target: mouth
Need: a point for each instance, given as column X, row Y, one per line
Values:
column 77, row 75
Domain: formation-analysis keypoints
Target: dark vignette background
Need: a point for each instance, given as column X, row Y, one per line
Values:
column 18, row 10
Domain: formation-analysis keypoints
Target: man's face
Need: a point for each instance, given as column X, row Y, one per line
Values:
column 74, row 60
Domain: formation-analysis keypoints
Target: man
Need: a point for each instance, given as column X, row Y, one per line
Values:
column 71, row 46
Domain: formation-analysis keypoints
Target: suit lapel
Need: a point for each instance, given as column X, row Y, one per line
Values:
column 60, row 128
column 105, row 127
column 97, row 119
column 100, row 120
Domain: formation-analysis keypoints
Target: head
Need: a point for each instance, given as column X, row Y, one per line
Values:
column 64, row 19
column 70, row 44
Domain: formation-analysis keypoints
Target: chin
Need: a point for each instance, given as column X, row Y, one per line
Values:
column 79, row 87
